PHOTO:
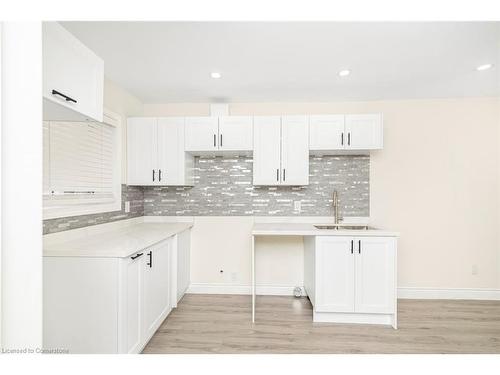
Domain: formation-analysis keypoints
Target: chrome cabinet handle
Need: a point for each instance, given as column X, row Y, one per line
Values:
column 220, row 140
column 153, row 175
column 349, row 138
column 284, row 174
column 352, row 246
column 359, row 246
column 342, row 139
column 159, row 174
column 277, row 174
column 215, row 140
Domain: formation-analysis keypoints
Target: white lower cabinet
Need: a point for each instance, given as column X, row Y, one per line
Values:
column 352, row 279
column 111, row 305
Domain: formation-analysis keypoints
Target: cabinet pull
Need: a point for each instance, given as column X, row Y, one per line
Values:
column 153, row 175
column 137, row 256
column 349, row 138
column 159, row 174
column 66, row 97
column 277, row 174
column 342, row 139
column 150, row 263
column 352, row 246
column 220, row 140
column 359, row 246
column 215, row 140
column 284, row 174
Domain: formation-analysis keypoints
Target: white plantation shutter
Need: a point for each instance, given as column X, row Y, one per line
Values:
column 79, row 162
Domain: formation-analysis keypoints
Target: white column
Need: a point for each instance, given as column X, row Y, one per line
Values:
column 21, row 176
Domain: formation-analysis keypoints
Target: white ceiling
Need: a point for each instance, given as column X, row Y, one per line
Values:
column 295, row 61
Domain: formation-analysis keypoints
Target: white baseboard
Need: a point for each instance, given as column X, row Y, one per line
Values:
column 449, row 293
column 261, row 289
column 403, row 293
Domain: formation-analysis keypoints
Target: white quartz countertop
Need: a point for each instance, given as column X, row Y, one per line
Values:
column 114, row 242
column 308, row 229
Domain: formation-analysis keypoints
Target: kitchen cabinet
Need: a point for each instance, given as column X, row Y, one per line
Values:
column 345, row 132
column 281, row 150
column 352, row 279
column 107, row 305
column 226, row 133
column 156, row 290
column 73, row 77
column 155, row 152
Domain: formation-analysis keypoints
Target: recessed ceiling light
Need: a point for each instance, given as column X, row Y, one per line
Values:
column 215, row 75
column 484, row 67
column 344, row 73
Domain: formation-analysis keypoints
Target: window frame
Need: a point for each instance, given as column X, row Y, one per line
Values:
column 67, row 207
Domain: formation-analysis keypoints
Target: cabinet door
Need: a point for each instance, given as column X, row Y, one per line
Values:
column 132, row 284
column 171, row 159
column 295, row 150
column 375, row 274
column 266, row 150
column 201, row 134
column 156, row 287
column 71, row 69
column 334, row 274
column 364, row 132
column 326, row 132
column 236, row 133
column 142, row 155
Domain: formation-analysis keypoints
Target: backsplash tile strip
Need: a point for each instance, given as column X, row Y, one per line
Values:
column 223, row 187
column 129, row 193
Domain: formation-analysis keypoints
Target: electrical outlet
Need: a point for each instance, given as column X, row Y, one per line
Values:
column 234, row 276
column 127, row 206
column 474, row 269
column 297, row 206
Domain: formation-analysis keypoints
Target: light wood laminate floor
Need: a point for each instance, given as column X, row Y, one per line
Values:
column 222, row 324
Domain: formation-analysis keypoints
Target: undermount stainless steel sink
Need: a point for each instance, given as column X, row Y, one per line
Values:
column 342, row 227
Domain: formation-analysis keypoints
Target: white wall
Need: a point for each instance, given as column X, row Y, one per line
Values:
column 21, row 169
column 126, row 105
column 436, row 181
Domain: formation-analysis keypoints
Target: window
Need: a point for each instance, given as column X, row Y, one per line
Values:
column 81, row 169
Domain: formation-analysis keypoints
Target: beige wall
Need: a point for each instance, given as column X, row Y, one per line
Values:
column 125, row 104
column 436, row 181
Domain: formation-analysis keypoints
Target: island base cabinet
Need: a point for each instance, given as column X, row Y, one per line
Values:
column 352, row 279
column 106, row 305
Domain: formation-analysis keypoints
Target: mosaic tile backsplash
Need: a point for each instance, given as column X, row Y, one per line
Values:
column 223, row 187
column 129, row 193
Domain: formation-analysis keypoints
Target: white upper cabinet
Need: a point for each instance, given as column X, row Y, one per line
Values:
column 227, row 133
column 326, row 132
column 73, row 77
column 202, row 134
column 155, row 152
column 295, row 150
column 236, row 133
column 267, row 150
column 281, row 150
column 346, row 132
column 174, row 166
column 364, row 132
column 142, row 151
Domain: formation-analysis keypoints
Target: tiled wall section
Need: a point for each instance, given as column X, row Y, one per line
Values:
column 129, row 193
column 223, row 187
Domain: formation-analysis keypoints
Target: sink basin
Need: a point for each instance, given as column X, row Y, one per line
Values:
column 342, row 227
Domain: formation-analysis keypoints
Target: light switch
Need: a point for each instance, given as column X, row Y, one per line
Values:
column 127, row 206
